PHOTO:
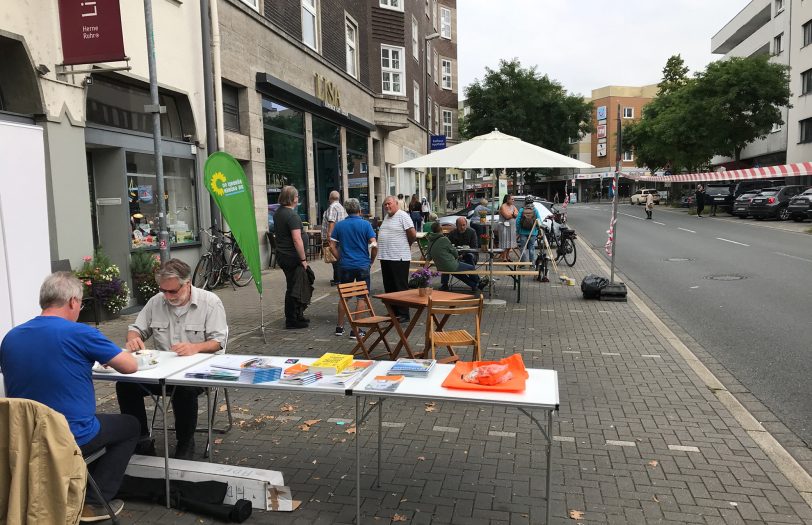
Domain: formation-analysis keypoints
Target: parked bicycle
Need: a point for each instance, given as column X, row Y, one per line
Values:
column 222, row 262
column 562, row 246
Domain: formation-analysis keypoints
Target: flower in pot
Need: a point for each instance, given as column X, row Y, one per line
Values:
column 143, row 266
column 421, row 279
column 102, row 281
column 483, row 216
column 484, row 240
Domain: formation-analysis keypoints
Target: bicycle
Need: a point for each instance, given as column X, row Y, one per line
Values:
column 222, row 262
column 564, row 244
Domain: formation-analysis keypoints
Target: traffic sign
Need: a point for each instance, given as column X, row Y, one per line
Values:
column 437, row 142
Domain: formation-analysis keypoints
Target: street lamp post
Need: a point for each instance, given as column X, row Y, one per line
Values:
column 425, row 95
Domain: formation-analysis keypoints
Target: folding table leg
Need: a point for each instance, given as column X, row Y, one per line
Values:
column 357, row 461
column 380, row 438
column 166, row 441
column 549, row 464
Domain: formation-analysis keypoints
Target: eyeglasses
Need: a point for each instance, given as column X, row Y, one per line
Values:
column 172, row 292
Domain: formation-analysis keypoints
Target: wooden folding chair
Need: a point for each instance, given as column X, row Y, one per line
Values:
column 452, row 338
column 365, row 319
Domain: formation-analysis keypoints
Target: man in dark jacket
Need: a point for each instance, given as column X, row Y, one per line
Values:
column 699, row 198
column 444, row 255
column 464, row 235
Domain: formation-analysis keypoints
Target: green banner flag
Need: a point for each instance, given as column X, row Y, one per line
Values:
column 226, row 182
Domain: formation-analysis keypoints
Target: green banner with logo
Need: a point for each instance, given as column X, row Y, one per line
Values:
column 227, row 184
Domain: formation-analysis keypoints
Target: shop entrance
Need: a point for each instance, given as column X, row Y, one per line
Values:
column 328, row 174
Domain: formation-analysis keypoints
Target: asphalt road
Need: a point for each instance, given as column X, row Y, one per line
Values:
column 759, row 327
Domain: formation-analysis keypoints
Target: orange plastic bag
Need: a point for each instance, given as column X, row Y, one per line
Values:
column 515, row 384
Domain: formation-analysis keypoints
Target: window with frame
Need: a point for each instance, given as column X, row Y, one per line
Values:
column 416, row 101
column 351, row 30
column 446, row 74
column 429, row 67
column 397, row 5
column 428, row 115
column 436, row 58
column 253, row 4
column 806, row 82
column 806, row 130
column 434, row 13
column 807, row 31
column 415, row 46
column 231, row 108
column 447, row 124
column 628, row 112
column 436, row 118
column 628, row 156
column 776, row 128
column 779, row 6
column 310, row 24
column 778, row 44
column 445, row 22
column 392, row 70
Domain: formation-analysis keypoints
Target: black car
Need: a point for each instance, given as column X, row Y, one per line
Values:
column 800, row 206
column 756, row 185
column 773, row 202
column 719, row 195
column 741, row 205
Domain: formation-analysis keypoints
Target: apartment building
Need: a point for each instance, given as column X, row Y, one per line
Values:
column 606, row 103
column 331, row 95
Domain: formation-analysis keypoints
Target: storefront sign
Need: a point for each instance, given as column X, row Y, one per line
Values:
column 601, row 150
column 327, row 92
column 601, row 131
column 91, row 31
column 145, row 193
column 437, row 142
column 601, row 112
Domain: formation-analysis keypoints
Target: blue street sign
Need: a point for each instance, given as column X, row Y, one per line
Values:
column 437, row 142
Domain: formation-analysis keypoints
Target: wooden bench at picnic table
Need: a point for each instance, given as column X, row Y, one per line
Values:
column 515, row 274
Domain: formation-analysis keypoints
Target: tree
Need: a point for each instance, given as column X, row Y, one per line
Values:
column 675, row 75
column 520, row 102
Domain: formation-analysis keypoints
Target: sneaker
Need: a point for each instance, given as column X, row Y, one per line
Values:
column 91, row 513
column 339, row 331
column 361, row 333
column 545, row 279
column 292, row 325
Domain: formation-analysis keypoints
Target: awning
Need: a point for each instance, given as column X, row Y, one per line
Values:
column 768, row 172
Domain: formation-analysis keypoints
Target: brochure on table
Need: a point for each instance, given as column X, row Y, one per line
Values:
column 169, row 363
column 541, row 388
column 212, row 373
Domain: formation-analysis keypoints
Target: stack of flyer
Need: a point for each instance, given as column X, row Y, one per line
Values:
column 412, row 367
column 348, row 377
column 252, row 371
column 331, row 364
column 214, row 374
column 299, row 375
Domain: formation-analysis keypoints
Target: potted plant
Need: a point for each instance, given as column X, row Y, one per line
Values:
column 102, row 282
column 421, row 279
column 484, row 242
column 143, row 266
column 483, row 216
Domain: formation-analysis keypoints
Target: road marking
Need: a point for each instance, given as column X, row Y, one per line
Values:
column 793, row 257
column 445, row 429
column 499, row 433
column 570, row 351
column 609, row 353
column 392, row 424
column 651, row 355
column 660, row 223
column 683, row 448
column 632, row 216
column 621, row 443
column 694, row 287
column 733, row 242
column 566, row 439
column 686, row 230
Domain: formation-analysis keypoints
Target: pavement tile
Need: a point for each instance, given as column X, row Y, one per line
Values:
column 490, row 468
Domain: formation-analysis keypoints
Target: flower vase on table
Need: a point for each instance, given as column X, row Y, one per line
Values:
column 484, row 240
column 421, row 279
column 424, row 291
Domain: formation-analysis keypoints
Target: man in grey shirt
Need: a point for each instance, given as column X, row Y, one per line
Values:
column 181, row 319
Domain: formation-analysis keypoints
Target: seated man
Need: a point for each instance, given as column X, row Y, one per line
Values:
column 445, row 256
column 49, row 360
column 182, row 319
column 464, row 235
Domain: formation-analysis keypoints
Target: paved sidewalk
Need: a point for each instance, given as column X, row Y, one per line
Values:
column 639, row 438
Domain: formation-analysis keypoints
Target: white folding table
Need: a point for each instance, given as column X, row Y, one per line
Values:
column 541, row 393
column 169, row 363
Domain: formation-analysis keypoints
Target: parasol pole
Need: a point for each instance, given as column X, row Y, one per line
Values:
column 615, row 189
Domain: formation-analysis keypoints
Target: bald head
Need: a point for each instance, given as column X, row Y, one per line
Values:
column 334, row 196
column 462, row 224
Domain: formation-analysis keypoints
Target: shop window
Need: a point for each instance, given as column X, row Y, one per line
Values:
column 180, row 197
column 392, row 70
column 445, row 22
column 352, row 47
column 310, row 24
column 446, row 74
column 231, row 108
column 447, row 128
column 121, row 105
column 326, row 131
column 278, row 116
column 358, row 169
column 284, row 153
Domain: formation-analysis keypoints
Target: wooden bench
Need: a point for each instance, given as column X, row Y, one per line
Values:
column 516, row 275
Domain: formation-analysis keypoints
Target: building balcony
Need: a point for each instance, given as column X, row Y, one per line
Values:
column 391, row 112
column 755, row 15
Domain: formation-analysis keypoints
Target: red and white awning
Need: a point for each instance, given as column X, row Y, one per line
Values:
column 768, row 172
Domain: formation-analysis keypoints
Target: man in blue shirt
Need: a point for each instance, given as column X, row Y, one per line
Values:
column 350, row 242
column 49, row 360
column 527, row 227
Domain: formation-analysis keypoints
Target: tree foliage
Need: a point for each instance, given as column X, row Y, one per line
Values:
column 717, row 112
column 520, row 102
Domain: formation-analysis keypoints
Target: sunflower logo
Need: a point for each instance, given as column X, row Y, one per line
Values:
column 218, row 177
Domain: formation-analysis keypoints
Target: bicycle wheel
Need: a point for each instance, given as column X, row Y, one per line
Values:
column 218, row 267
column 240, row 273
column 202, row 273
column 568, row 249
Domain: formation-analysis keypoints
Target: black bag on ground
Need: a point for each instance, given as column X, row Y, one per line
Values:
column 592, row 285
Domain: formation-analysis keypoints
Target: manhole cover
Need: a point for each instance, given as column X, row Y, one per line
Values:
column 678, row 259
column 730, row 277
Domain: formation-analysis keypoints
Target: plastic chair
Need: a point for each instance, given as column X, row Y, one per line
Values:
column 453, row 338
column 373, row 324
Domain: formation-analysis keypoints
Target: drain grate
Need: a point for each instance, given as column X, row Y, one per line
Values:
column 725, row 277
column 678, row 259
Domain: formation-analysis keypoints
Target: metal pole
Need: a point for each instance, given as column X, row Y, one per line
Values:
column 615, row 196
column 208, row 95
column 156, row 109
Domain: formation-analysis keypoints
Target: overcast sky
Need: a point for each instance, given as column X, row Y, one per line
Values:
column 588, row 44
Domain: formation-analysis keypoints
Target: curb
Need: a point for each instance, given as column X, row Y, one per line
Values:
column 787, row 465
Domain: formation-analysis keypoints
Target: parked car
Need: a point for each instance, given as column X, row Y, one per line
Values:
column 719, row 194
column 800, row 206
column 687, row 200
column 639, row 197
column 741, row 206
column 773, row 202
column 756, row 185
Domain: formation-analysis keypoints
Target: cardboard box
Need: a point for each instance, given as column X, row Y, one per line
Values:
column 264, row 488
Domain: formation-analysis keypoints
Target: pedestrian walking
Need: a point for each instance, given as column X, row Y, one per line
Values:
column 649, row 205
column 416, row 212
column 528, row 230
column 291, row 254
column 350, row 243
column 395, row 237
column 332, row 216
column 507, row 227
column 699, row 198
column 425, row 209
